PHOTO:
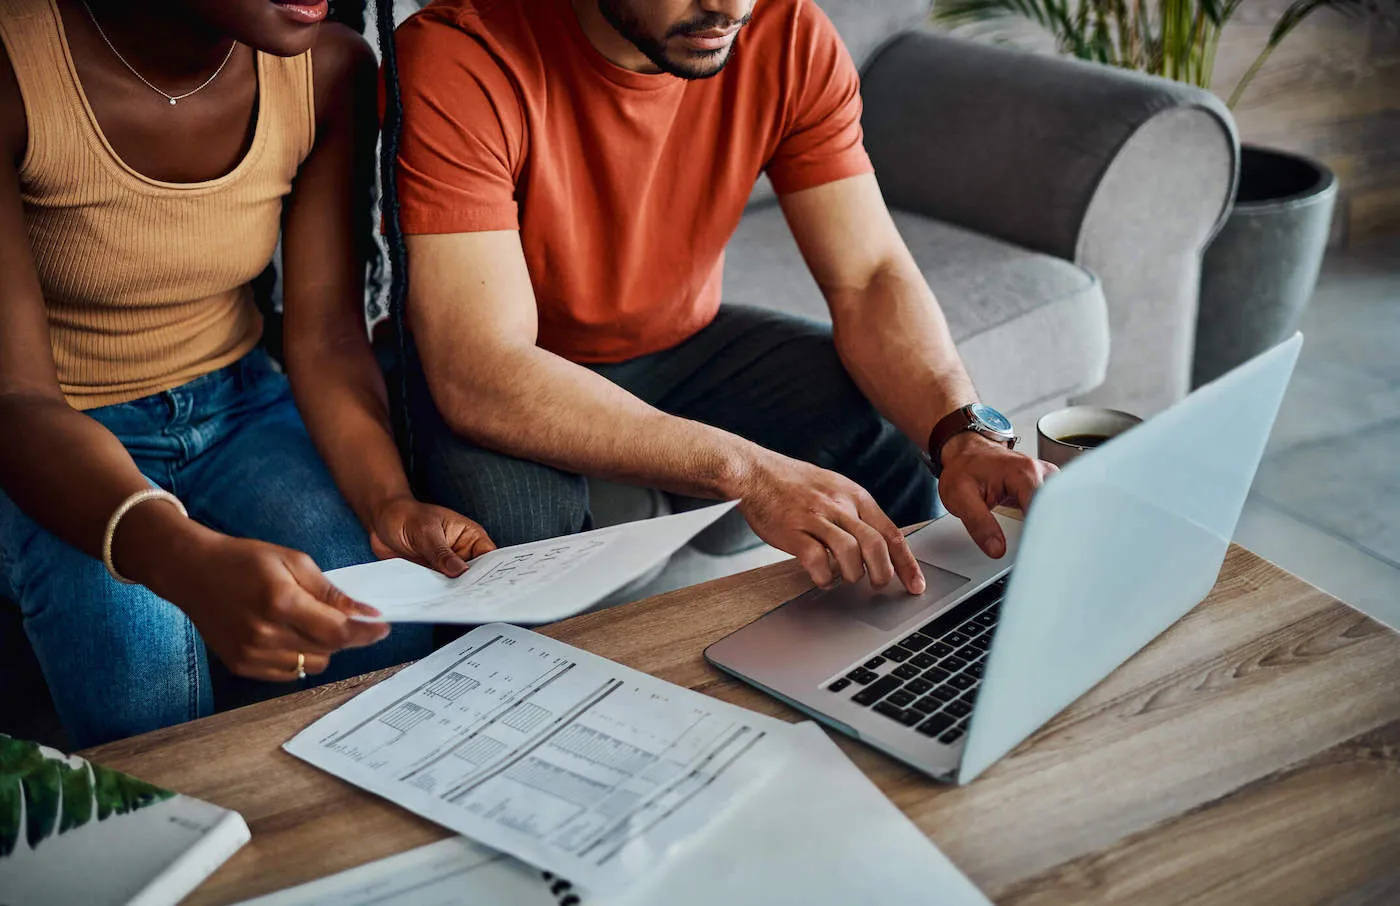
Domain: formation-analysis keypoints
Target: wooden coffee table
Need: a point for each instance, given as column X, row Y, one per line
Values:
column 1251, row 754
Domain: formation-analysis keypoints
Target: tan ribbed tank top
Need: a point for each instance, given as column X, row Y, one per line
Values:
column 146, row 283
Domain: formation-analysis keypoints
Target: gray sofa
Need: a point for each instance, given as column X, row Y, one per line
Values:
column 1058, row 209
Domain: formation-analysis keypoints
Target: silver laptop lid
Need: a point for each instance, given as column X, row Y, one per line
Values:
column 1119, row 547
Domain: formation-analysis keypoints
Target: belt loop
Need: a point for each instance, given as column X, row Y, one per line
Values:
column 245, row 371
column 179, row 400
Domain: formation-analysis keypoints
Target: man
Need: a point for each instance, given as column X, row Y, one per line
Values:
column 570, row 171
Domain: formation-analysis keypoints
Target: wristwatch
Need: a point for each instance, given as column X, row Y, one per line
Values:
column 976, row 417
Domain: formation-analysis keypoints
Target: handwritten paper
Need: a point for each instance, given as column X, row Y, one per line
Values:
column 531, row 583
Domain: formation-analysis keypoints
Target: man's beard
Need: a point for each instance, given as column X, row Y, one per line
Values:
column 621, row 18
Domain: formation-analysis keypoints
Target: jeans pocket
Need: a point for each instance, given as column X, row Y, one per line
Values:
column 18, row 534
column 7, row 559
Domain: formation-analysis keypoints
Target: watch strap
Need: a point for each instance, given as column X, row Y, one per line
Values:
column 948, row 427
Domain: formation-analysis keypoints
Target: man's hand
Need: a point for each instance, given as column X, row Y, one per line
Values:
column 428, row 535
column 257, row 606
column 819, row 516
column 979, row 474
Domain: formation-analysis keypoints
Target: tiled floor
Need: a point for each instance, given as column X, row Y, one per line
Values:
column 1326, row 502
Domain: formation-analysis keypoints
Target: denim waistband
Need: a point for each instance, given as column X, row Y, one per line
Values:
column 198, row 402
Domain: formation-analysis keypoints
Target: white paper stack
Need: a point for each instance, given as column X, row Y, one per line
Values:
column 636, row 790
column 820, row 833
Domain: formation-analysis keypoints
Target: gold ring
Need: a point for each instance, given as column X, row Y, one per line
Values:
column 301, row 665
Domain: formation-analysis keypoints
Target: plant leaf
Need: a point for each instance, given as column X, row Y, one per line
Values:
column 77, row 797
column 119, row 793
column 42, row 789
column 49, row 795
column 18, row 756
column 9, row 813
column 1294, row 15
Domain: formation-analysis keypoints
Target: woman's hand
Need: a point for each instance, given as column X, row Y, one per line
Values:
column 258, row 606
column 428, row 535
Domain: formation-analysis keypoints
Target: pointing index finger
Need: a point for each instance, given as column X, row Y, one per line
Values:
column 964, row 501
column 906, row 566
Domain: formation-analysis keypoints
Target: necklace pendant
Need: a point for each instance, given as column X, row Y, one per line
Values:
column 172, row 102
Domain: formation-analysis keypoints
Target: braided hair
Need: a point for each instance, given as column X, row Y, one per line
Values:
column 391, row 130
column 266, row 291
column 386, row 198
column 351, row 13
column 348, row 12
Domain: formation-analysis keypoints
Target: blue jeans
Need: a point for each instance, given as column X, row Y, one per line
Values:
column 118, row 659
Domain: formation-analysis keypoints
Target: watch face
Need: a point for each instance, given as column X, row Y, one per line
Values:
column 991, row 418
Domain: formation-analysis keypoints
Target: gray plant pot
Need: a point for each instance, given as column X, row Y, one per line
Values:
column 1260, row 272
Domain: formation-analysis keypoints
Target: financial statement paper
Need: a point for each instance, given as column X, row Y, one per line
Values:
column 568, row 761
column 533, row 583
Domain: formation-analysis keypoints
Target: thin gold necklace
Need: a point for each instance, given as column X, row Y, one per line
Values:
column 172, row 98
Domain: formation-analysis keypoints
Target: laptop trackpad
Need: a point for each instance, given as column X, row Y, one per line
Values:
column 888, row 608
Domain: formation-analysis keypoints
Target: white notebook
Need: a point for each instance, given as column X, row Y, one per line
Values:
column 75, row 832
column 820, row 833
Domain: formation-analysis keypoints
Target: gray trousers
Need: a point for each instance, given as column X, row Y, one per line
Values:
column 768, row 377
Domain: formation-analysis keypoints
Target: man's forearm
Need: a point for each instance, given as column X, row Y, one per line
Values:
column 530, row 403
column 893, row 339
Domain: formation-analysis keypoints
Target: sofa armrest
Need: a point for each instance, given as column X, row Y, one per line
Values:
column 1125, row 174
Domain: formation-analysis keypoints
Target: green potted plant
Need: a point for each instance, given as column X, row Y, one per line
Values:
column 1261, row 270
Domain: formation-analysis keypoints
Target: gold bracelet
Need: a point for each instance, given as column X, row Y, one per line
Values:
column 126, row 507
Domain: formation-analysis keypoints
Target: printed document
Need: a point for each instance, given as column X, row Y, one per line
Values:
column 531, row 583
column 568, row 761
column 819, row 833
column 451, row 872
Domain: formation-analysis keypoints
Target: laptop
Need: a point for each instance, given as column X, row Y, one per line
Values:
column 1116, row 548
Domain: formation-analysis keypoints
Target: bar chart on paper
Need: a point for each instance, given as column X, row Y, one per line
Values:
column 566, row 760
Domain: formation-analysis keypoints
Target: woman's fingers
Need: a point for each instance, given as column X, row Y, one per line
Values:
column 280, row 666
column 280, row 637
column 313, row 606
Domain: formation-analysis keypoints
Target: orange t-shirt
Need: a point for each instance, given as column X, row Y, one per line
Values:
column 624, row 186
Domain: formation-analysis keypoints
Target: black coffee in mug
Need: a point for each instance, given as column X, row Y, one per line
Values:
column 1083, row 440
column 1066, row 434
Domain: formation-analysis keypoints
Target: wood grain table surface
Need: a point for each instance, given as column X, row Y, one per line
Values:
column 1251, row 754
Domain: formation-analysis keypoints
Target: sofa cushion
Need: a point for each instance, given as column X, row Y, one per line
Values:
column 865, row 24
column 1029, row 326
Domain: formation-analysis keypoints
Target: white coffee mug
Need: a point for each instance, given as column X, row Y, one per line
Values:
column 1066, row 433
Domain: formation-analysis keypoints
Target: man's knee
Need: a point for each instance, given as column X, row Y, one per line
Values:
column 879, row 458
column 515, row 500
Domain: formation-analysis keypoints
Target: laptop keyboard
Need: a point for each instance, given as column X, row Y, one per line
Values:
column 928, row 680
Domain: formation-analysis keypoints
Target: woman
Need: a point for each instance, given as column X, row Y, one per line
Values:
column 155, row 152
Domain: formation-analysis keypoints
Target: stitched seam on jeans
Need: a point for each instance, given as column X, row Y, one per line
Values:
column 192, row 668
